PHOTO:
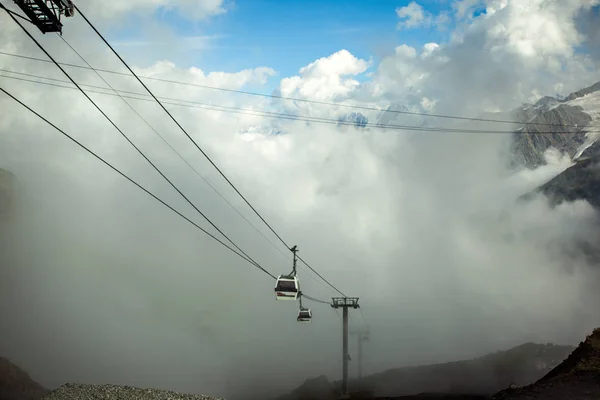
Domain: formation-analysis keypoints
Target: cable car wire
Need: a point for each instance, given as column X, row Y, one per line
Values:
column 134, row 182
column 319, row 275
column 245, row 256
column 168, row 144
column 68, row 87
column 315, row 299
column 81, row 145
column 50, row 84
column 177, row 123
column 193, row 141
column 278, row 115
column 453, row 117
column 20, row 16
column 126, row 137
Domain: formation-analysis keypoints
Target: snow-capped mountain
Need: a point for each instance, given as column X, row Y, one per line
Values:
column 581, row 111
column 359, row 120
column 264, row 130
column 565, row 124
column 396, row 114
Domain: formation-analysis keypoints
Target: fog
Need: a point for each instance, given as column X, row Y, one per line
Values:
column 101, row 283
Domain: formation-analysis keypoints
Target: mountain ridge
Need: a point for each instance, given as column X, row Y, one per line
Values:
column 481, row 376
column 576, row 378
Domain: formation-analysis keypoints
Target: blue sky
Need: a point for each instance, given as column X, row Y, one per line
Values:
column 287, row 35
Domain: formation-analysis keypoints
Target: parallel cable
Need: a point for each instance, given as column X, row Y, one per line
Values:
column 170, row 146
column 282, row 116
column 134, row 182
column 302, row 260
column 315, row 299
column 147, row 191
column 125, row 136
column 367, row 108
column 178, row 124
column 319, row 275
column 185, row 132
column 245, row 256
column 338, row 314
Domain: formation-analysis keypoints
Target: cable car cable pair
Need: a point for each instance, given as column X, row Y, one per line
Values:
column 287, row 286
column 45, row 14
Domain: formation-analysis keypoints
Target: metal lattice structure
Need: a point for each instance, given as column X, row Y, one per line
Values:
column 46, row 14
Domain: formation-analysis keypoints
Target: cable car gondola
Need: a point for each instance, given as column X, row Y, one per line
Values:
column 287, row 288
column 304, row 315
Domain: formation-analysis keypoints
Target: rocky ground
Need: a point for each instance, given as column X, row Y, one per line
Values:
column 97, row 392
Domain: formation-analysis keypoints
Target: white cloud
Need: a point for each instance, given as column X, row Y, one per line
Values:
column 428, row 49
column 464, row 8
column 341, row 63
column 192, row 9
column 168, row 70
column 326, row 79
column 415, row 16
column 417, row 225
column 539, row 28
column 407, row 52
column 492, row 57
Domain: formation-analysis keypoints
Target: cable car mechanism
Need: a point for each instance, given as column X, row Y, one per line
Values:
column 288, row 286
column 45, row 14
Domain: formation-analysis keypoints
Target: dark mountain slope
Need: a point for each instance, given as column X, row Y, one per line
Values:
column 15, row 384
column 581, row 181
column 585, row 91
column 576, row 378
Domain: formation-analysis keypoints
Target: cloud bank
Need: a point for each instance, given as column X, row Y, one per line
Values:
column 108, row 286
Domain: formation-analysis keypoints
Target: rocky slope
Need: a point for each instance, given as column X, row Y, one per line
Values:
column 566, row 124
column 576, row 378
column 16, row 384
column 87, row 392
column 575, row 130
column 580, row 181
column 562, row 127
column 482, row 376
column 353, row 118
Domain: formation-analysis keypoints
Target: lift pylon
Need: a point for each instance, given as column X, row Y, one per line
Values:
column 362, row 334
column 345, row 303
column 46, row 14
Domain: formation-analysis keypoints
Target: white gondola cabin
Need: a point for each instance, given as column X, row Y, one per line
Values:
column 304, row 315
column 287, row 288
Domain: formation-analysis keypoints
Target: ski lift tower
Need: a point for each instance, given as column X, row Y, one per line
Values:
column 46, row 14
column 345, row 303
